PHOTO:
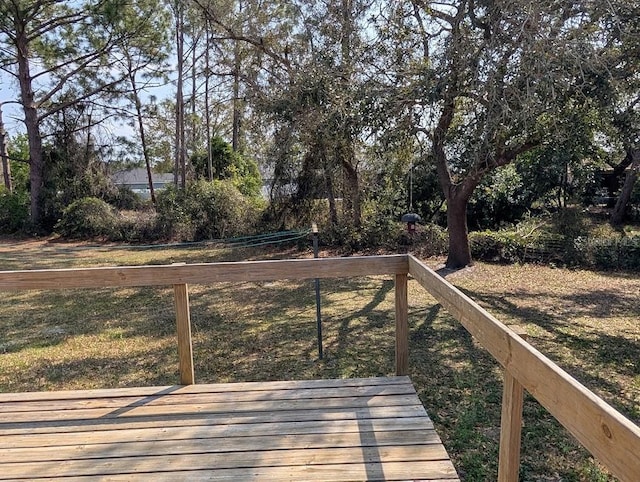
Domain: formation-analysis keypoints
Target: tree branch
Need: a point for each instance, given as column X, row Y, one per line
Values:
column 86, row 95
column 63, row 80
column 54, row 23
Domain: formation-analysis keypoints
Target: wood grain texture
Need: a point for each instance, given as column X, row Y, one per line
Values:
column 342, row 383
column 510, row 430
column 314, row 430
column 402, row 325
column 606, row 433
column 202, row 273
column 183, row 329
column 186, row 397
column 128, row 432
column 511, row 423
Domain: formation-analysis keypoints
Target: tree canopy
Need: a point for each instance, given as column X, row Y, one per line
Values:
column 345, row 101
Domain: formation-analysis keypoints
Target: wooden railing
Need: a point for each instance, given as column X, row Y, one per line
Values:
column 608, row 435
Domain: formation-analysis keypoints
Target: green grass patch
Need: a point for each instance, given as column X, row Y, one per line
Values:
column 586, row 321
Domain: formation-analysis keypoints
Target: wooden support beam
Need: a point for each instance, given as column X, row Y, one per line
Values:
column 183, row 322
column 511, row 423
column 203, row 273
column 402, row 325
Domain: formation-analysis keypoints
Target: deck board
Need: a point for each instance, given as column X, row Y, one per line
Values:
column 362, row 429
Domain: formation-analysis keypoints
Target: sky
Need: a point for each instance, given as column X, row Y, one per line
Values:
column 11, row 113
column 13, row 116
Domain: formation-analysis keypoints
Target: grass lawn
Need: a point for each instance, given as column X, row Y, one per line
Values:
column 588, row 322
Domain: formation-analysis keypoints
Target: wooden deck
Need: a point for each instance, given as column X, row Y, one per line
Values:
column 353, row 429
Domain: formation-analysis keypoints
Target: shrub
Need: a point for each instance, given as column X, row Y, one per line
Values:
column 499, row 246
column 610, row 253
column 87, row 218
column 432, row 239
column 125, row 199
column 205, row 210
column 14, row 211
column 138, row 227
column 501, row 198
column 173, row 219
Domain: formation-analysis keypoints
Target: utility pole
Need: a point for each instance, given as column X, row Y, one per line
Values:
column 4, row 155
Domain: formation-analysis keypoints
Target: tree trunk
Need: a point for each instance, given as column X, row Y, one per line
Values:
column 36, row 158
column 331, row 196
column 143, row 137
column 459, row 250
column 180, row 160
column 352, row 193
column 237, row 113
column 207, row 113
column 617, row 216
column 333, row 210
column 4, row 155
column 194, row 87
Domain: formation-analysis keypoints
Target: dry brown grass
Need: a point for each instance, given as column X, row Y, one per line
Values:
column 586, row 321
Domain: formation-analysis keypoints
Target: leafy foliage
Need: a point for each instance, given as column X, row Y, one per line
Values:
column 14, row 211
column 501, row 198
column 72, row 171
column 205, row 210
column 567, row 238
column 125, row 199
column 88, row 218
column 228, row 164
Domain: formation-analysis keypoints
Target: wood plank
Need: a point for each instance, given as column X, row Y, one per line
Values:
column 186, row 419
column 188, row 398
column 202, row 273
column 127, row 433
column 61, row 449
column 267, row 458
column 226, row 407
column 204, row 388
column 402, row 325
column 416, row 471
column 511, row 423
column 510, row 430
column 330, row 431
column 183, row 331
column 601, row 429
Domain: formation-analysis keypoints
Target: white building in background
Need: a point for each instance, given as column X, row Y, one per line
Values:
column 136, row 180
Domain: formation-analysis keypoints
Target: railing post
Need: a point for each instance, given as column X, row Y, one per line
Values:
column 183, row 321
column 511, row 424
column 402, row 325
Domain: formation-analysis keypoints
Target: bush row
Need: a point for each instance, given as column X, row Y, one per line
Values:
column 205, row 210
column 603, row 253
column 215, row 210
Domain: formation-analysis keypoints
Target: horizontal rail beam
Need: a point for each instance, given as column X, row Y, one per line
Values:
column 602, row 430
column 202, row 273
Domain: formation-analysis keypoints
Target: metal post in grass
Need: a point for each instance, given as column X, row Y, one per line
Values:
column 314, row 231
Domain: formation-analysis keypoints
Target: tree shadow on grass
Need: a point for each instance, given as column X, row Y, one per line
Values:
column 250, row 331
column 359, row 335
column 459, row 386
column 595, row 354
column 48, row 318
column 267, row 331
column 144, row 368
